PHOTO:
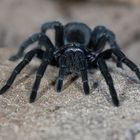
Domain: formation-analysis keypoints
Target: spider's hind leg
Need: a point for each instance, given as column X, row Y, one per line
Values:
column 32, row 39
column 121, row 56
column 62, row 73
column 100, row 36
column 46, row 59
column 58, row 27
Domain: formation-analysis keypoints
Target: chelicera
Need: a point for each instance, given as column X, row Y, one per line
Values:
column 77, row 49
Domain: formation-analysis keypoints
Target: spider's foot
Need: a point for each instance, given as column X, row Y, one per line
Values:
column 59, row 84
column 14, row 58
column 138, row 74
column 33, row 97
column 86, row 88
column 4, row 89
column 116, row 102
column 119, row 65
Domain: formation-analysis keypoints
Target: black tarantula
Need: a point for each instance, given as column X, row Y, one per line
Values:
column 77, row 49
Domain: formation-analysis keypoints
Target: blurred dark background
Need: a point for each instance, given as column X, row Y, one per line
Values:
column 21, row 18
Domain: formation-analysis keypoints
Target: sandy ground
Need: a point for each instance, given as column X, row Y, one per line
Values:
column 70, row 115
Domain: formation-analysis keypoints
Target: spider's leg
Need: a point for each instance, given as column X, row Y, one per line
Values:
column 59, row 82
column 58, row 27
column 32, row 39
column 107, row 54
column 100, row 36
column 82, row 64
column 28, row 57
column 114, row 46
column 85, row 81
column 105, row 72
column 47, row 57
column 121, row 56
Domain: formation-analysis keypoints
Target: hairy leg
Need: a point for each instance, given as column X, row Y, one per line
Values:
column 105, row 72
column 83, row 70
column 42, row 39
column 85, row 81
column 32, row 39
column 58, row 27
column 28, row 57
column 59, row 82
column 100, row 36
column 128, row 62
column 47, row 57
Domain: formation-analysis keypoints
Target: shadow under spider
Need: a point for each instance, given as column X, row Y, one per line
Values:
column 52, row 84
column 130, row 78
column 68, row 83
column 26, row 76
column 73, row 78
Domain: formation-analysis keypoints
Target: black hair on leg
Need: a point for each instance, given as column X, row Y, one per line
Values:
column 28, row 57
column 59, row 82
column 105, row 72
column 47, row 57
column 32, row 39
column 58, row 27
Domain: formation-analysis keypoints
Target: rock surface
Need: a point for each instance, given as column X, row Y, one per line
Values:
column 70, row 115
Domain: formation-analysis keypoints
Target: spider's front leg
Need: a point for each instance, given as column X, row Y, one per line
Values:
column 73, row 62
column 84, row 75
column 62, row 72
column 47, row 58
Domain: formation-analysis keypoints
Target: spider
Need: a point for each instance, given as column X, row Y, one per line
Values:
column 77, row 49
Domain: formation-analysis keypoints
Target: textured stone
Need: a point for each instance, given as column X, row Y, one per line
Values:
column 69, row 115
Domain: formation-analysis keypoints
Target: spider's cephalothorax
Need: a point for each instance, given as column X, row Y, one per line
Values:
column 77, row 48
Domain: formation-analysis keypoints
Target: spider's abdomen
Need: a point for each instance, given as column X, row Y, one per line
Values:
column 75, row 32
